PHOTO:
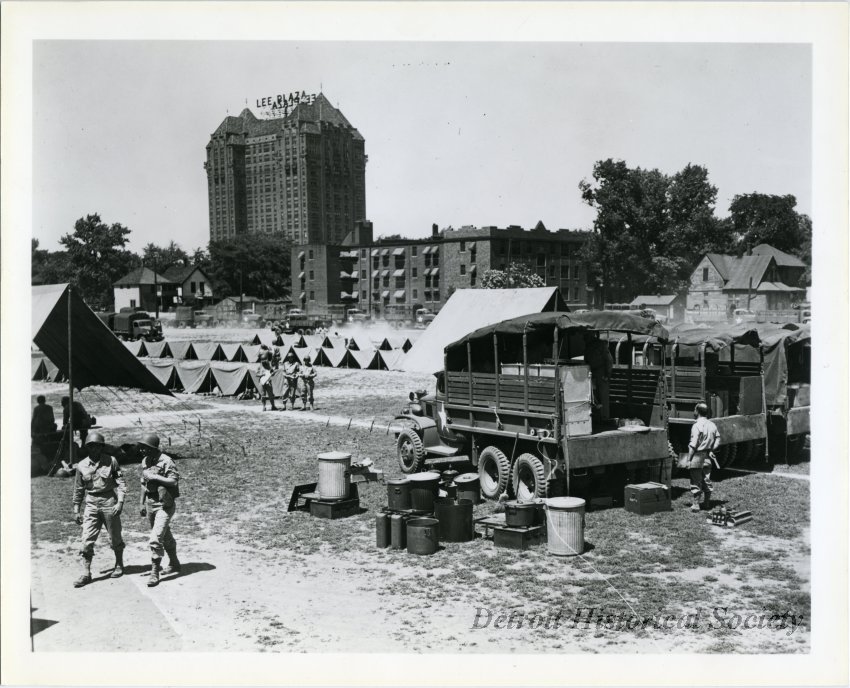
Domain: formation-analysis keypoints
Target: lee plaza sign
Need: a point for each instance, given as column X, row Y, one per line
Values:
column 282, row 103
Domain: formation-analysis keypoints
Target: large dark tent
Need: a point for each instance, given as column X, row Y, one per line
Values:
column 97, row 356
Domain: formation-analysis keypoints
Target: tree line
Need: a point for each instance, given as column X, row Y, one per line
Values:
column 95, row 256
column 650, row 231
column 651, row 228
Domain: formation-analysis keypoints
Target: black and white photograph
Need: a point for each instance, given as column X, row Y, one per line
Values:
column 519, row 341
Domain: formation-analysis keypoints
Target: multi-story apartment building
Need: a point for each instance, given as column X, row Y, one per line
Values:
column 302, row 175
column 385, row 275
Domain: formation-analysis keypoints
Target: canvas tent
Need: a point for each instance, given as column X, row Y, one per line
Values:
column 157, row 350
column 195, row 376
column 97, row 356
column 231, row 378
column 234, row 352
column 39, row 370
column 166, row 373
column 208, row 351
column 470, row 309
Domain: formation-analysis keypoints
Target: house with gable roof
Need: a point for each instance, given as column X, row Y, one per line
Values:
column 193, row 285
column 142, row 288
column 766, row 280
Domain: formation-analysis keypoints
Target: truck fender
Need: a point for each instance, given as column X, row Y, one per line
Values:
column 426, row 427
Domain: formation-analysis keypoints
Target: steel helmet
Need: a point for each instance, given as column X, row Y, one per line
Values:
column 95, row 438
column 151, row 440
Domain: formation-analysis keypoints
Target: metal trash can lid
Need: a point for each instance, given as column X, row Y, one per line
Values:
column 565, row 503
column 466, row 478
column 334, row 456
column 423, row 477
column 398, row 481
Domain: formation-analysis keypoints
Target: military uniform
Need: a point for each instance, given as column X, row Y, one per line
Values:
column 100, row 485
column 704, row 439
column 308, row 381
column 160, row 507
column 290, row 372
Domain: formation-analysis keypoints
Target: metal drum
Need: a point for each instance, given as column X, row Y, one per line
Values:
column 382, row 530
column 397, row 531
column 455, row 517
column 423, row 491
column 565, row 526
column 334, row 475
column 398, row 494
column 469, row 487
column 422, row 535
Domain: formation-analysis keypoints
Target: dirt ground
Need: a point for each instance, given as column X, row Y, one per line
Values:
column 256, row 578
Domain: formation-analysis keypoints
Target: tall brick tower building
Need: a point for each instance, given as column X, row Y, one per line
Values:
column 302, row 175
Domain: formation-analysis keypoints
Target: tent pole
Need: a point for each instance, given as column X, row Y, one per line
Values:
column 70, row 388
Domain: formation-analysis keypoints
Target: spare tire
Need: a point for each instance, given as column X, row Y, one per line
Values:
column 528, row 477
column 411, row 451
column 494, row 471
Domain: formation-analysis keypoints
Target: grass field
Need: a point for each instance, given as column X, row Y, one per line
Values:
column 265, row 579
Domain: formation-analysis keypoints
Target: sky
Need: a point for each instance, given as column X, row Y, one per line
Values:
column 462, row 133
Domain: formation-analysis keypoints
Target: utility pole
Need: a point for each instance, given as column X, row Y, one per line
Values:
column 155, row 290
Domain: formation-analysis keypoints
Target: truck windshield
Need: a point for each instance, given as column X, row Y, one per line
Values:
column 143, row 323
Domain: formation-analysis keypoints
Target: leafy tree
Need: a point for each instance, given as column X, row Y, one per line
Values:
column 650, row 228
column 162, row 258
column 262, row 260
column 516, row 275
column 97, row 257
column 767, row 219
column 49, row 267
column 804, row 253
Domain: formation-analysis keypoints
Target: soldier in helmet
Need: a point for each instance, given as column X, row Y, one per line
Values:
column 307, row 372
column 290, row 372
column 100, row 491
column 159, row 489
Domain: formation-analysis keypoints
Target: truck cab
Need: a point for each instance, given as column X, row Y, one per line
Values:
column 355, row 315
column 515, row 401
column 424, row 316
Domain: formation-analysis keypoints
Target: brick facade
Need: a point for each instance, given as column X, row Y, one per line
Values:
column 303, row 175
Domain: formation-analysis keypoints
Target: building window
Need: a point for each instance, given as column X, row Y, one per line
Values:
column 311, row 275
column 541, row 260
column 363, row 294
column 132, row 303
column 462, row 269
column 427, row 281
column 193, row 287
column 705, row 274
column 471, row 279
column 310, row 256
column 201, row 288
column 312, row 296
column 415, row 293
column 436, row 295
column 472, row 255
column 363, row 253
column 413, row 272
column 362, row 274
column 414, row 250
column 385, row 260
column 462, row 246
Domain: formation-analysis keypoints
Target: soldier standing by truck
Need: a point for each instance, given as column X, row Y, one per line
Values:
column 99, row 485
column 704, row 440
column 290, row 372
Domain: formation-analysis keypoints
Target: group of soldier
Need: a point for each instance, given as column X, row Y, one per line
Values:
column 294, row 373
column 99, row 495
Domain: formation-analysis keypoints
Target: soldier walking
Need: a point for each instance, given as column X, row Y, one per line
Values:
column 159, row 489
column 308, row 381
column 704, row 440
column 290, row 372
column 99, row 485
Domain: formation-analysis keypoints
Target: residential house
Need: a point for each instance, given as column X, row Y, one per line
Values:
column 670, row 306
column 193, row 285
column 766, row 280
column 143, row 288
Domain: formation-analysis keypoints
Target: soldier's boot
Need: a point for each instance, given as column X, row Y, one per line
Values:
column 118, row 571
column 706, row 505
column 153, row 578
column 173, row 563
column 84, row 579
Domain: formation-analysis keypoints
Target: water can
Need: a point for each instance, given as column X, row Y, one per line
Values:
column 455, row 517
column 423, row 491
column 422, row 535
column 469, row 487
column 565, row 526
column 521, row 514
column 397, row 531
column 398, row 494
column 382, row 530
column 334, row 475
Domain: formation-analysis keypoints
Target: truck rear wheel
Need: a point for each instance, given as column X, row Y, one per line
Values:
column 726, row 455
column 494, row 471
column 528, row 477
column 411, row 451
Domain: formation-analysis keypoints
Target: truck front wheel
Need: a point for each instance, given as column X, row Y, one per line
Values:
column 411, row 451
column 529, row 477
column 494, row 471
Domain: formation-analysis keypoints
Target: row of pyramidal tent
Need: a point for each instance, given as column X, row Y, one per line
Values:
column 230, row 368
